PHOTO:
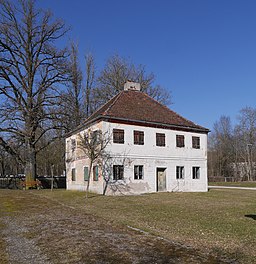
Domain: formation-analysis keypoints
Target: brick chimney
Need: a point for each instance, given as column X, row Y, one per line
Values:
column 129, row 85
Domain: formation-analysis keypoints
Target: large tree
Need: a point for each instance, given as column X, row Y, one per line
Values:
column 117, row 71
column 31, row 71
column 71, row 105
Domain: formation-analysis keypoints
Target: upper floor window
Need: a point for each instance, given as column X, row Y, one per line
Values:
column 160, row 139
column 196, row 142
column 180, row 143
column 195, row 173
column 138, row 172
column 179, row 172
column 118, row 172
column 95, row 136
column 73, row 144
column 138, row 137
column 118, row 136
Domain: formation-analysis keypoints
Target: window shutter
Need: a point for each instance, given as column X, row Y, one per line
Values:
column 95, row 173
column 73, row 174
column 86, row 174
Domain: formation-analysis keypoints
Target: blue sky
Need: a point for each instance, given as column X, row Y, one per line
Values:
column 203, row 51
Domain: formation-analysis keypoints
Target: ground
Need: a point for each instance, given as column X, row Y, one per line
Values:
column 64, row 227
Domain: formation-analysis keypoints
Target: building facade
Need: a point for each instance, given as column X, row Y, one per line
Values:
column 149, row 149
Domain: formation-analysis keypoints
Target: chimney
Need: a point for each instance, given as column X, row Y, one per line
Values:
column 129, row 85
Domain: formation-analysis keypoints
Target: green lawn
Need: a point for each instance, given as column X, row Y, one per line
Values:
column 219, row 220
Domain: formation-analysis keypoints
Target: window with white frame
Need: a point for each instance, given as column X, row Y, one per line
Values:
column 179, row 172
column 138, row 172
column 195, row 173
column 118, row 172
column 138, row 137
column 160, row 139
column 196, row 142
column 118, row 136
column 180, row 141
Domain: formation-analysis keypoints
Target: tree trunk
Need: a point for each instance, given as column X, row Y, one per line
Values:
column 30, row 165
column 105, row 187
column 89, row 179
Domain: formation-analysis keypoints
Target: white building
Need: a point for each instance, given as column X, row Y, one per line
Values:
column 151, row 149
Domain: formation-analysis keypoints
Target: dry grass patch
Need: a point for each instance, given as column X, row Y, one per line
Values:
column 220, row 220
column 65, row 226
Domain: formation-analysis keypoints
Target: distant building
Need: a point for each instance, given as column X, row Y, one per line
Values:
column 152, row 148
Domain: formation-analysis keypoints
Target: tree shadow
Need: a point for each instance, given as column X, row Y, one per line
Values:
column 253, row 216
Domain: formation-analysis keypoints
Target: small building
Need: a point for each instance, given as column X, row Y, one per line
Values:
column 150, row 148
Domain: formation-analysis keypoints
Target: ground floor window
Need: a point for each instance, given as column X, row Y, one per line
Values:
column 180, row 172
column 95, row 173
column 138, row 172
column 195, row 173
column 118, row 172
column 73, row 174
column 86, row 174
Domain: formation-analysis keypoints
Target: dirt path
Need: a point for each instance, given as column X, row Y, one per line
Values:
column 55, row 233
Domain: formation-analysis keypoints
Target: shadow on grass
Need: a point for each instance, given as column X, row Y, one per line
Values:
column 253, row 216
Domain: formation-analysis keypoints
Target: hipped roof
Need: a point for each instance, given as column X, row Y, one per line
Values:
column 138, row 108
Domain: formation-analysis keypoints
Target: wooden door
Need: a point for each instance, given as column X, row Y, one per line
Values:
column 161, row 179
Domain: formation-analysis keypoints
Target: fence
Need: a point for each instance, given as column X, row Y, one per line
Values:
column 16, row 182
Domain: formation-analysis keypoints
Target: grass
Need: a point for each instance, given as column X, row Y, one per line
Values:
column 219, row 221
column 3, row 254
column 234, row 184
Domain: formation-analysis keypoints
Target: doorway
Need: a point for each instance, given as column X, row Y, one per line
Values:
column 161, row 179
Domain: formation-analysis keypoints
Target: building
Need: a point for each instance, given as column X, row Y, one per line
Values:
column 150, row 148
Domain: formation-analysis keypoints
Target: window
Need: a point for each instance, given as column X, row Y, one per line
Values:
column 73, row 174
column 196, row 142
column 73, row 144
column 160, row 139
column 138, row 172
column 118, row 172
column 86, row 174
column 95, row 173
column 138, row 137
column 118, row 136
column 195, row 173
column 95, row 137
column 179, row 172
column 180, row 141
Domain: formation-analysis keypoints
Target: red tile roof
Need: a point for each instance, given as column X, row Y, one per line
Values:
column 138, row 108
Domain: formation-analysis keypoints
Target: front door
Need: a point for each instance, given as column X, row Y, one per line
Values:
column 161, row 179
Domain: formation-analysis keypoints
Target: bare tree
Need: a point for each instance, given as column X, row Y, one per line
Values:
column 93, row 144
column 245, row 132
column 89, row 83
column 117, row 71
column 221, row 148
column 71, row 105
column 31, row 66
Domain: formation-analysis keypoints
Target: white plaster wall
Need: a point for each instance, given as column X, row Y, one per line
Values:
column 150, row 156
column 76, row 159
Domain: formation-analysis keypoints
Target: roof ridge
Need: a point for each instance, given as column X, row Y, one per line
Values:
column 153, row 99
column 99, row 108
column 114, row 101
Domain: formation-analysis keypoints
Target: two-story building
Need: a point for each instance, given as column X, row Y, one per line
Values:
column 150, row 149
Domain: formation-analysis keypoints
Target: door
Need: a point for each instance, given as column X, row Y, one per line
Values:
column 161, row 179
